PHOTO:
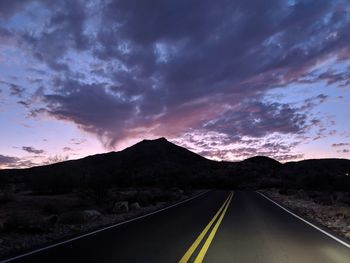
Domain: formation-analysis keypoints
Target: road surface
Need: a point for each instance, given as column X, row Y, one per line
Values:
column 218, row 226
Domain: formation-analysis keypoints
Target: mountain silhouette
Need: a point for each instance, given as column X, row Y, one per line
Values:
column 160, row 163
column 149, row 162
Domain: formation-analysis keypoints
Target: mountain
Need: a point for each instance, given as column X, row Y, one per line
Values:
column 160, row 163
column 149, row 162
column 152, row 152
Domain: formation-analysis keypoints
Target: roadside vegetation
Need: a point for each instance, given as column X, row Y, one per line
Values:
column 30, row 219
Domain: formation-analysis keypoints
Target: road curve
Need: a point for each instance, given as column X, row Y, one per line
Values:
column 216, row 227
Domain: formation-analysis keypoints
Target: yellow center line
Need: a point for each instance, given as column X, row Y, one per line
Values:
column 210, row 238
column 193, row 247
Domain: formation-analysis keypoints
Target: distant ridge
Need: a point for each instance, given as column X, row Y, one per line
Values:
column 262, row 160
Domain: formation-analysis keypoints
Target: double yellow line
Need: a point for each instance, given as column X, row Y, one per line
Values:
column 219, row 214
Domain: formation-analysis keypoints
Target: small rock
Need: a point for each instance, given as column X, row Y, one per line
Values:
column 324, row 200
column 177, row 190
column 301, row 194
column 135, row 206
column 120, row 207
column 92, row 214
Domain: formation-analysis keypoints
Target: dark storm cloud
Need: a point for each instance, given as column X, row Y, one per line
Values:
column 63, row 32
column 30, row 149
column 207, row 48
column 8, row 7
column 179, row 65
column 92, row 107
column 5, row 34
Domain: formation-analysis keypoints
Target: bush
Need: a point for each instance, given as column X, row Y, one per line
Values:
column 25, row 222
column 78, row 217
column 6, row 196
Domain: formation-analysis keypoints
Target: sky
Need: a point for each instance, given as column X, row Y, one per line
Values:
column 226, row 79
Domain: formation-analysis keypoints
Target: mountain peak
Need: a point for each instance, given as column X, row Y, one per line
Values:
column 161, row 139
column 152, row 143
column 160, row 150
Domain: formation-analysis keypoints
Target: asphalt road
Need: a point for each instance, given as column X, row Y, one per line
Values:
column 215, row 227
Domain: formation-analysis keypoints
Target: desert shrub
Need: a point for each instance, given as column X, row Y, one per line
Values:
column 343, row 198
column 285, row 191
column 6, row 196
column 145, row 198
column 50, row 208
column 78, row 217
column 338, row 211
column 324, row 199
column 30, row 223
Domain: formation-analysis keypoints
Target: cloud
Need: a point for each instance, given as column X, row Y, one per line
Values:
column 123, row 69
column 8, row 160
column 165, row 66
column 218, row 146
column 258, row 119
column 8, row 7
column 14, row 162
column 30, row 149
column 67, row 149
column 341, row 144
column 77, row 141
column 56, row 159
column 15, row 90
column 92, row 107
column 310, row 103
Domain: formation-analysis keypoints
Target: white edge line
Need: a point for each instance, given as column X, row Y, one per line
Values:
column 103, row 229
column 307, row 222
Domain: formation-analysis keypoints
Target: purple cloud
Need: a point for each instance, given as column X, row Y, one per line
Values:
column 341, row 144
column 257, row 119
column 8, row 160
column 30, row 149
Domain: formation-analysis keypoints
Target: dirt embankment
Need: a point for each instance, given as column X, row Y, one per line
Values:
column 331, row 209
